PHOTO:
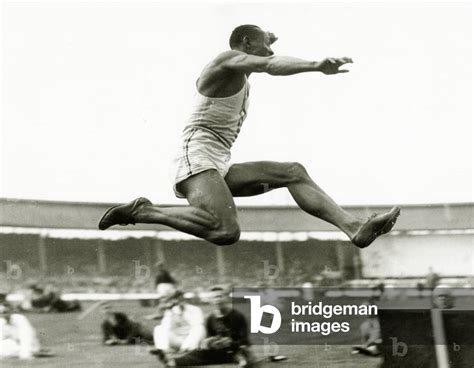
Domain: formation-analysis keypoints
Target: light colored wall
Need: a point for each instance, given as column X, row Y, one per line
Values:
column 411, row 256
column 80, row 215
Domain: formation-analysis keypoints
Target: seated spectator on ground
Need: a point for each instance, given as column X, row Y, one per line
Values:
column 119, row 329
column 18, row 337
column 48, row 300
column 165, row 284
column 182, row 326
column 226, row 339
column 371, row 337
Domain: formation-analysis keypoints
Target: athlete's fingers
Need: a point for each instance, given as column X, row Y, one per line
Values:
column 342, row 61
column 347, row 59
column 343, row 71
column 331, row 60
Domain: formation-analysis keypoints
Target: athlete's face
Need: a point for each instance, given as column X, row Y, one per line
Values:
column 261, row 44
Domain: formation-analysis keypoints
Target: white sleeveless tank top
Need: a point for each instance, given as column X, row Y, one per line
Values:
column 221, row 116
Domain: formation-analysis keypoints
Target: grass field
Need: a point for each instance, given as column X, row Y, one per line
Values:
column 78, row 344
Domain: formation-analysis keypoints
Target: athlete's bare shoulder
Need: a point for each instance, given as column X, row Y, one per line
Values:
column 217, row 65
column 226, row 55
column 218, row 81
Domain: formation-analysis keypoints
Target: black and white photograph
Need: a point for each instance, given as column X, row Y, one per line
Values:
column 236, row 184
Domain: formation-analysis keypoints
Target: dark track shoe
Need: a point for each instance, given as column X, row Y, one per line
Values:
column 375, row 226
column 122, row 214
column 44, row 353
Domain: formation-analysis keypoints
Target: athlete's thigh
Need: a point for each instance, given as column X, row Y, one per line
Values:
column 253, row 178
column 209, row 191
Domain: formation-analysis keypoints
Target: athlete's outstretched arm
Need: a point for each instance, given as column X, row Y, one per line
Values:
column 280, row 65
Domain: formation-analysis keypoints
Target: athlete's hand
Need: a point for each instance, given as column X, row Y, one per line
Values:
column 331, row 65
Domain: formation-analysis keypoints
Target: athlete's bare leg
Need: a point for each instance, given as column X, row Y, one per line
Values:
column 211, row 215
column 253, row 178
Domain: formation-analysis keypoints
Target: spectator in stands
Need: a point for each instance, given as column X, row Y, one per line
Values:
column 378, row 290
column 226, row 339
column 181, row 329
column 432, row 279
column 119, row 329
column 18, row 337
column 296, row 273
column 442, row 298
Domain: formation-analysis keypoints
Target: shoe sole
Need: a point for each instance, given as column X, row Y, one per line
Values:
column 101, row 227
column 386, row 227
column 389, row 224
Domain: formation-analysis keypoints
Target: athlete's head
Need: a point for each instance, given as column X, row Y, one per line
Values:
column 252, row 40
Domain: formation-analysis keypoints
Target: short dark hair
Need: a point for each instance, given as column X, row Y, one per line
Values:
column 238, row 34
column 222, row 288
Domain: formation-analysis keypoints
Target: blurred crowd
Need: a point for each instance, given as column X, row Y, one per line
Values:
column 295, row 274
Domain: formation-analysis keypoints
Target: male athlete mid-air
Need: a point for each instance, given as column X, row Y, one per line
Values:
column 203, row 174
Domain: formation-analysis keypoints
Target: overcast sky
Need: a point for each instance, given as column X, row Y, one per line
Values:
column 95, row 96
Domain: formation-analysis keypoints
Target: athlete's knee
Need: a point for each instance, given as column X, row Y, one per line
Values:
column 226, row 235
column 296, row 172
column 227, row 238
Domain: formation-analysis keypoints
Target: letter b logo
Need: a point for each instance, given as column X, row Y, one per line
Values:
column 256, row 314
column 396, row 345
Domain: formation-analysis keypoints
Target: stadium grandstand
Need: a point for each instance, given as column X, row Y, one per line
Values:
column 282, row 252
column 279, row 247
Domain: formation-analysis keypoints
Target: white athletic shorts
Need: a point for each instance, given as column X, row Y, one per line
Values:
column 201, row 151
